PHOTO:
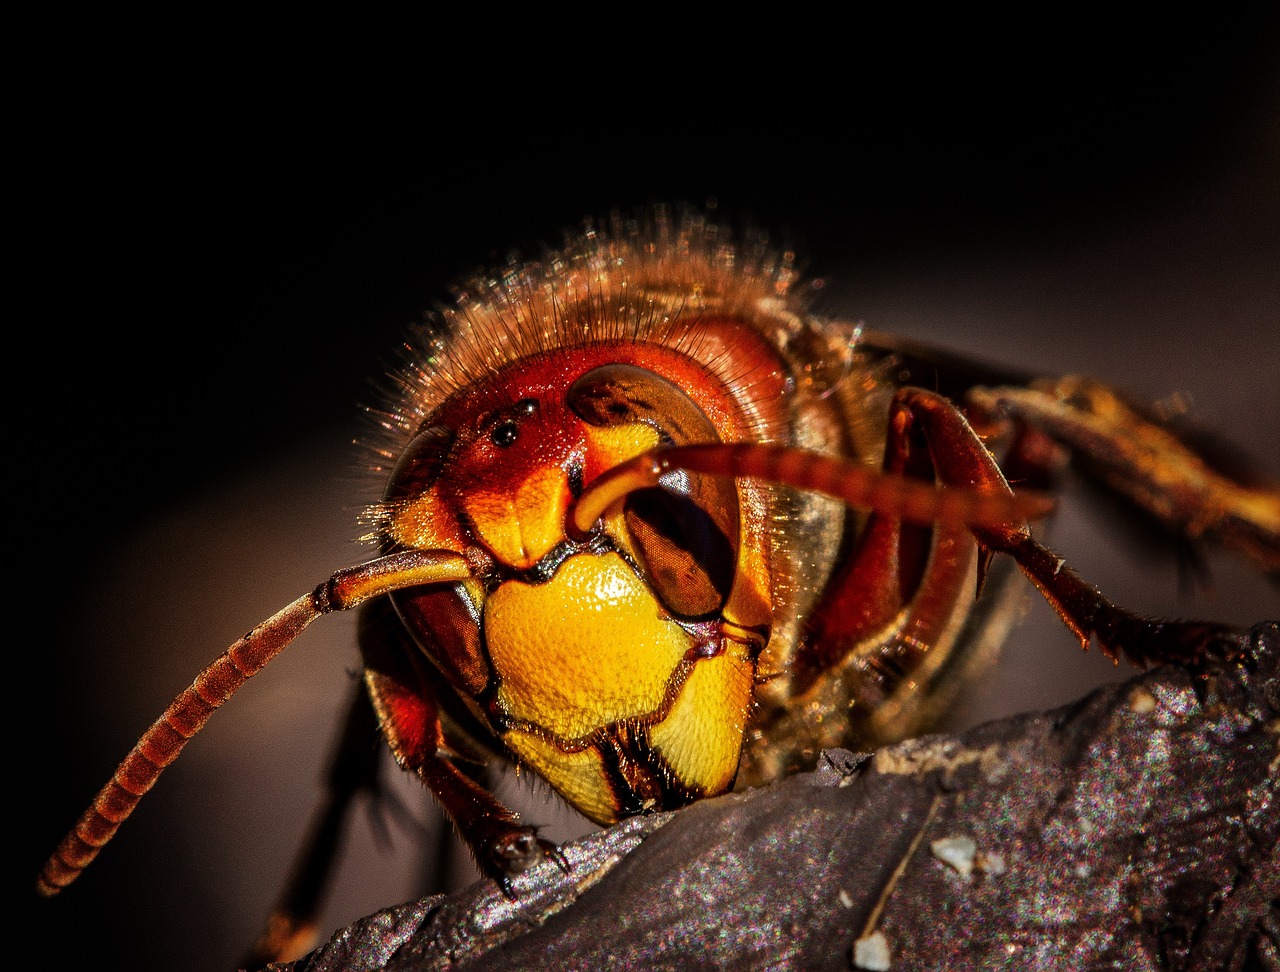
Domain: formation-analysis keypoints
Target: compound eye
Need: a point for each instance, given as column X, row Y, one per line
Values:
column 421, row 463
column 686, row 532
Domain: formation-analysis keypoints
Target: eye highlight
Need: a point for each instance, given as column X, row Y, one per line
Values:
column 505, row 434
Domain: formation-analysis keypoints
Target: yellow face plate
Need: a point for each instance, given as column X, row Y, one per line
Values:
column 577, row 776
column 584, row 649
column 701, row 736
column 699, row 740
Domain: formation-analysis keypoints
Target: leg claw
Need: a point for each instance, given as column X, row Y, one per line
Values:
column 515, row 852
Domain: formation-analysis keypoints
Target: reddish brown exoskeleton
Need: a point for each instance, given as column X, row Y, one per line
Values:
column 655, row 530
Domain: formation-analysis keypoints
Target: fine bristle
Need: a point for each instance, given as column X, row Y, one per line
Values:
column 644, row 278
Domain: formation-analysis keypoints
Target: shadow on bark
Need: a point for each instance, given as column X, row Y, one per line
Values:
column 1136, row 829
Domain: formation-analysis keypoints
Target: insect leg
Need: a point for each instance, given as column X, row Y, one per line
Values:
column 412, row 706
column 1148, row 463
column 895, row 564
column 895, row 628
column 353, row 769
column 957, row 451
column 898, row 621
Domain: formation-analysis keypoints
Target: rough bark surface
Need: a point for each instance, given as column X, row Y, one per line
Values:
column 1136, row 829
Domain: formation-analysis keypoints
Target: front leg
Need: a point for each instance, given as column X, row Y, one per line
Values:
column 403, row 689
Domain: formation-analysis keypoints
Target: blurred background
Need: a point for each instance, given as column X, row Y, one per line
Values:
column 221, row 249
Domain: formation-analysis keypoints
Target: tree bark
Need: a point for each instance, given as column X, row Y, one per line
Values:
column 1136, row 829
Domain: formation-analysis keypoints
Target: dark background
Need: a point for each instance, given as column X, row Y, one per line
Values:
column 217, row 258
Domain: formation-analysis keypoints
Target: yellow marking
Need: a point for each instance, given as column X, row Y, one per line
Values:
column 702, row 734
column 587, row 648
column 612, row 445
column 578, row 777
column 521, row 524
column 425, row 523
